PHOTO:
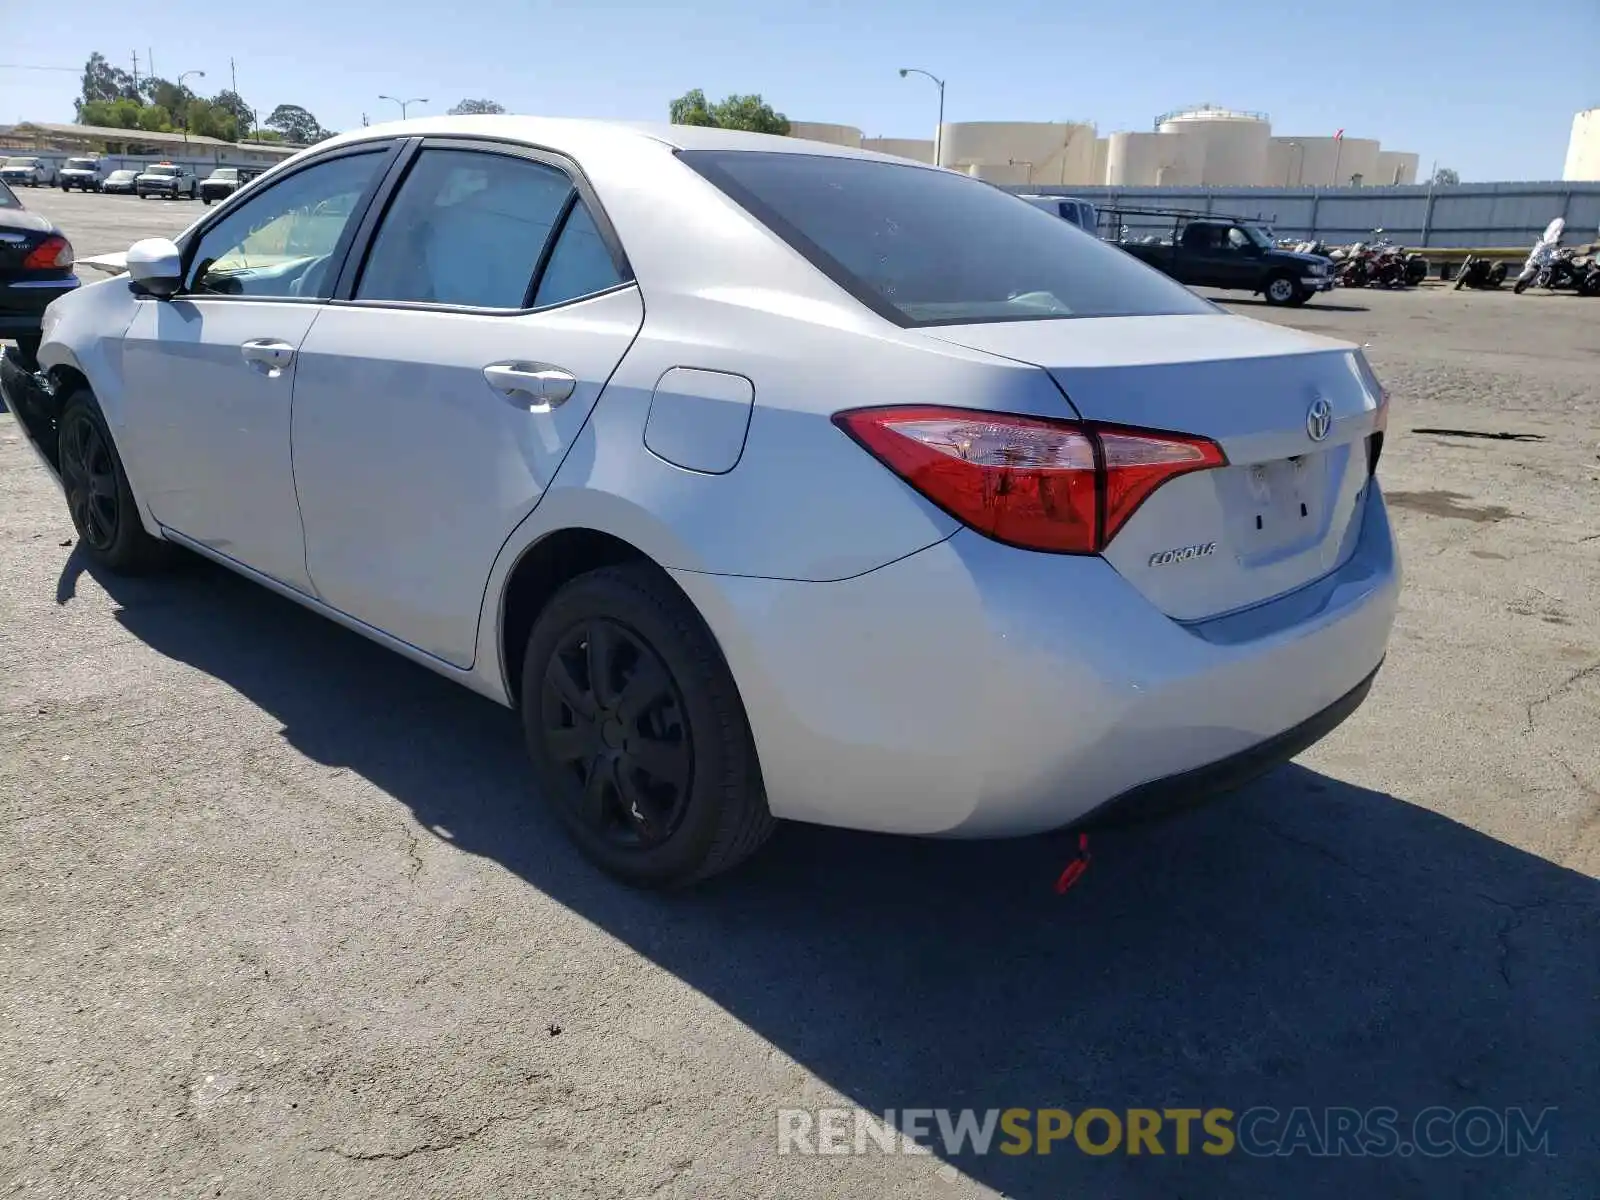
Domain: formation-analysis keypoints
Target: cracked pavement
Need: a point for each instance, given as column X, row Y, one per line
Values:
column 280, row 918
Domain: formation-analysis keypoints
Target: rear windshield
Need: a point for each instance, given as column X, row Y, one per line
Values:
column 930, row 247
column 78, row 164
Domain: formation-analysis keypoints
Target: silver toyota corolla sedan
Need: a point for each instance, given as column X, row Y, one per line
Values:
column 766, row 479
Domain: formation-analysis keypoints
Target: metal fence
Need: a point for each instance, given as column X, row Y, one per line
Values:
column 1467, row 214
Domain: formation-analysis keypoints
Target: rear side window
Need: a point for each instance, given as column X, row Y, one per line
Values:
column 466, row 228
column 580, row 265
column 930, row 247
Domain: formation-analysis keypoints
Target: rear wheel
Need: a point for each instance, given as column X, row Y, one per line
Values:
column 636, row 731
column 1589, row 283
column 1284, row 289
column 98, row 496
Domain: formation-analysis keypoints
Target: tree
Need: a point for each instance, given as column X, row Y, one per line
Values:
column 472, row 108
column 751, row 113
column 1446, row 177
column 295, row 123
column 153, row 118
column 233, row 104
column 102, row 81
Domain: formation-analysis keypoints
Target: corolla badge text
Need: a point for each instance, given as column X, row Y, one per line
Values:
column 1181, row 554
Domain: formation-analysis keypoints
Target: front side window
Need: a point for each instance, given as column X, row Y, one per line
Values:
column 280, row 242
column 929, row 247
column 467, row 228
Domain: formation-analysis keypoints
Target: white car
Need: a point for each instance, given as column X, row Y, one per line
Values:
column 766, row 479
column 27, row 171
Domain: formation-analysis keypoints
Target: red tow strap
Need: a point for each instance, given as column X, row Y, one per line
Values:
column 1076, row 868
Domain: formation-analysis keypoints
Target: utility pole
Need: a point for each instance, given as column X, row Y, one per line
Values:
column 233, row 78
column 150, row 62
column 136, row 72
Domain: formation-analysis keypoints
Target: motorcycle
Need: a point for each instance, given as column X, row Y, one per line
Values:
column 1479, row 272
column 1541, row 256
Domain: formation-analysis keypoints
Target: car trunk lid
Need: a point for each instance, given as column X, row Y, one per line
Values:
column 1283, row 512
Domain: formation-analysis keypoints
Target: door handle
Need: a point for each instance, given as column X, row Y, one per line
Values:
column 268, row 355
column 548, row 387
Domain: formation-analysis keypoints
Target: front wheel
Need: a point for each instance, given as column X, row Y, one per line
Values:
column 205, row 198
column 1282, row 289
column 99, row 499
column 636, row 731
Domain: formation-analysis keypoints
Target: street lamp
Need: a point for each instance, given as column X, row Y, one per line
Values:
column 181, row 78
column 938, row 133
column 405, row 104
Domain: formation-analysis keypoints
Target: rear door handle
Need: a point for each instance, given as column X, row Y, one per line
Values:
column 548, row 387
column 268, row 355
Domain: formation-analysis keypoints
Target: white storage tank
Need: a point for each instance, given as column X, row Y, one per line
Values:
column 1235, row 143
column 817, row 131
column 916, row 149
column 1583, row 151
column 1102, row 152
column 1396, row 167
column 1133, row 159
column 1328, row 162
column 1045, row 152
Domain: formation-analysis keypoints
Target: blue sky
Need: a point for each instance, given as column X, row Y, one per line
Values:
column 1489, row 89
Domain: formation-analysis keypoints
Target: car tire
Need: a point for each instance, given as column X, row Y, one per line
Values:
column 650, row 766
column 99, row 499
column 205, row 198
column 1284, row 289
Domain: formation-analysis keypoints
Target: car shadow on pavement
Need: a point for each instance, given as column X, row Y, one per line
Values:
column 1305, row 942
column 1312, row 304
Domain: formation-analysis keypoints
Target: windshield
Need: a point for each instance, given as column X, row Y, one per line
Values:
column 162, row 171
column 123, row 174
column 1257, row 236
column 20, row 162
column 928, row 247
column 78, row 164
column 225, row 173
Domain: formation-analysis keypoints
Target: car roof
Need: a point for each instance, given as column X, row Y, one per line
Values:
column 572, row 135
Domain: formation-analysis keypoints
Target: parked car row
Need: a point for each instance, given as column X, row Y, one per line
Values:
column 89, row 174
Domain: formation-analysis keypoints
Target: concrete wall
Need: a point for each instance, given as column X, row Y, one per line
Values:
column 913, row 148
column 1583, row 151
column 1510, row 215
column 817, row 131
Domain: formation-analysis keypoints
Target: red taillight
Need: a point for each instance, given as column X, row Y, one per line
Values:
column 1064, row 486
column 54, row 253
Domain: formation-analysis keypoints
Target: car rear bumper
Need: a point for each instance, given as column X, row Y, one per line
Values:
column 23, row 301
column 972, row 690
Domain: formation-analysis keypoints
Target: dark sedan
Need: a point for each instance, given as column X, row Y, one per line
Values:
column 35, row 268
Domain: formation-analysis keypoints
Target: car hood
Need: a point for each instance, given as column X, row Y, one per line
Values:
column 1297, row 256
column 28, row 222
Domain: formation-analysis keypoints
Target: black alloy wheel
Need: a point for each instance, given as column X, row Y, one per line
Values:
column 89, row 477
column 614, row 719
column 636, row 732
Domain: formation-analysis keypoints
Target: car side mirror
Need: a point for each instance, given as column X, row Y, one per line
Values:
column 156, row 266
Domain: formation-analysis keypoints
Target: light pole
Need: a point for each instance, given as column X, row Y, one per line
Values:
column 181, row 78
column 938, row 133
column 404, row 104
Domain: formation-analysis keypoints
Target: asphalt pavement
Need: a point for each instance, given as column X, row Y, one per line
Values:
column 280, row 916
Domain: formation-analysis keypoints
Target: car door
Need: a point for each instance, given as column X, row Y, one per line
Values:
column 209, row 373
column 437, row 396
